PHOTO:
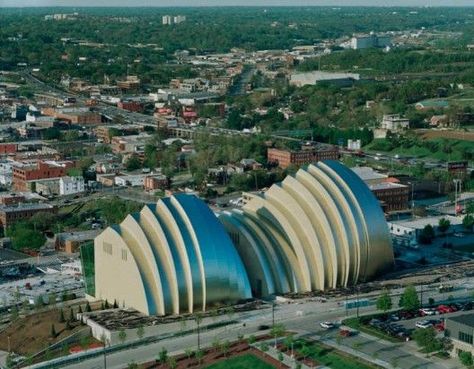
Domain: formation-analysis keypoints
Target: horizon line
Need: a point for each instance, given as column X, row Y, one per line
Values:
column 236, row 6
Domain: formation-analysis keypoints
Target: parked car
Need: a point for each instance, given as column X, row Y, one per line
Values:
column 327, row 325
column 423, row 324
column 439, row 326
column 428, row 311
column 444, row 309
column 345, row 331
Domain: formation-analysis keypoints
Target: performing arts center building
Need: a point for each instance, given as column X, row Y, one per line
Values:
column 319, row 229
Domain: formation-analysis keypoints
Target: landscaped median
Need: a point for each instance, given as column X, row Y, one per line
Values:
column 306, row 353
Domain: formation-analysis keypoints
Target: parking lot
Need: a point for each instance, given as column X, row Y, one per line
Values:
column 402, row 324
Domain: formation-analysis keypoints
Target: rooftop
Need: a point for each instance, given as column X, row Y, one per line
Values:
column 21, row 207
column 386, row 186
column 420, row 223
column 368, row 173
column 466, row 319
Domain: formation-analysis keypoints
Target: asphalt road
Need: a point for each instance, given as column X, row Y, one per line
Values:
column 302, row 317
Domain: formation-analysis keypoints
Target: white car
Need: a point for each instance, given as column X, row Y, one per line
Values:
column 426, row 311
column 326, row 325
column 423, row 324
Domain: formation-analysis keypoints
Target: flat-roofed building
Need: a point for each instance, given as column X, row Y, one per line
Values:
column 30, row 171
column 460, row 329
column 81, row 116
column 12, row 214
column 392, row 196
column 313, row 78
column 306, row 155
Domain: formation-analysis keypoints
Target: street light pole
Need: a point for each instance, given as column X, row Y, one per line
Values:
column 357, row 294
column 273, row 313
column 105, row 355
column 421, row 295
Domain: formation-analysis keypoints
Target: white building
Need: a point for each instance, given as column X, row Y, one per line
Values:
column 394, row 123
column 313, row 78
column 71, row 185
column 354, row 144
column 370, row 41
column 411, row 229
column 132, row 180
column 167, row 19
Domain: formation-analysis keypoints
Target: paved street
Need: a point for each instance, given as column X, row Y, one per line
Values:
column 301, row 317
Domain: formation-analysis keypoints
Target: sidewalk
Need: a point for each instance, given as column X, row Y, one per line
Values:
column 287, row 360
column 385, row 354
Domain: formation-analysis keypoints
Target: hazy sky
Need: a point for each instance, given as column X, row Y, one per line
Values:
column 233, row 2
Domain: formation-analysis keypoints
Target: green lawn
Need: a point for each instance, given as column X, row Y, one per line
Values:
column 247, row 361
column 335, row 359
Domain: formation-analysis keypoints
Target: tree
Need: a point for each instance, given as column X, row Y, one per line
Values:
column 85, row 342
column 61, row 316
column 39, row 303
column 24, row 237
column 14, row 314
column 426, row 235
column 198, row 320
column 133, row 163
column 172, row 363
column 281, row 358
column 384, row 302
column 163, row 356
column 230, row 311
column 140, row 332
column 53, row 331
column 426, row 338
column 122, row 336
column 468, row 222
column 443, row 225
column 277, row 331
column 189, row 353
column 71, row 314
column 216, row 344
column 409, row 299
column 466, row 358
column 225, row 347
column 199, row 356
column 132, row 365
column 115, row 304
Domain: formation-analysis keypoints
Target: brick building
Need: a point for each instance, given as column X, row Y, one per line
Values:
column 130, row 105
column 82, row 116
column 12, row 214
column 11, row 199
column 306, row 155
column 156, row 182
column 25, row 173
column 8, row 148
column 392, row 196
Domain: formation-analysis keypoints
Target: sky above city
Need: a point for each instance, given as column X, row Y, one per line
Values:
column 28, row 3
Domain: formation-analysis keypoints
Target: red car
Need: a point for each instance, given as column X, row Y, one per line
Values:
column 445, row 309
column 439, row 326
